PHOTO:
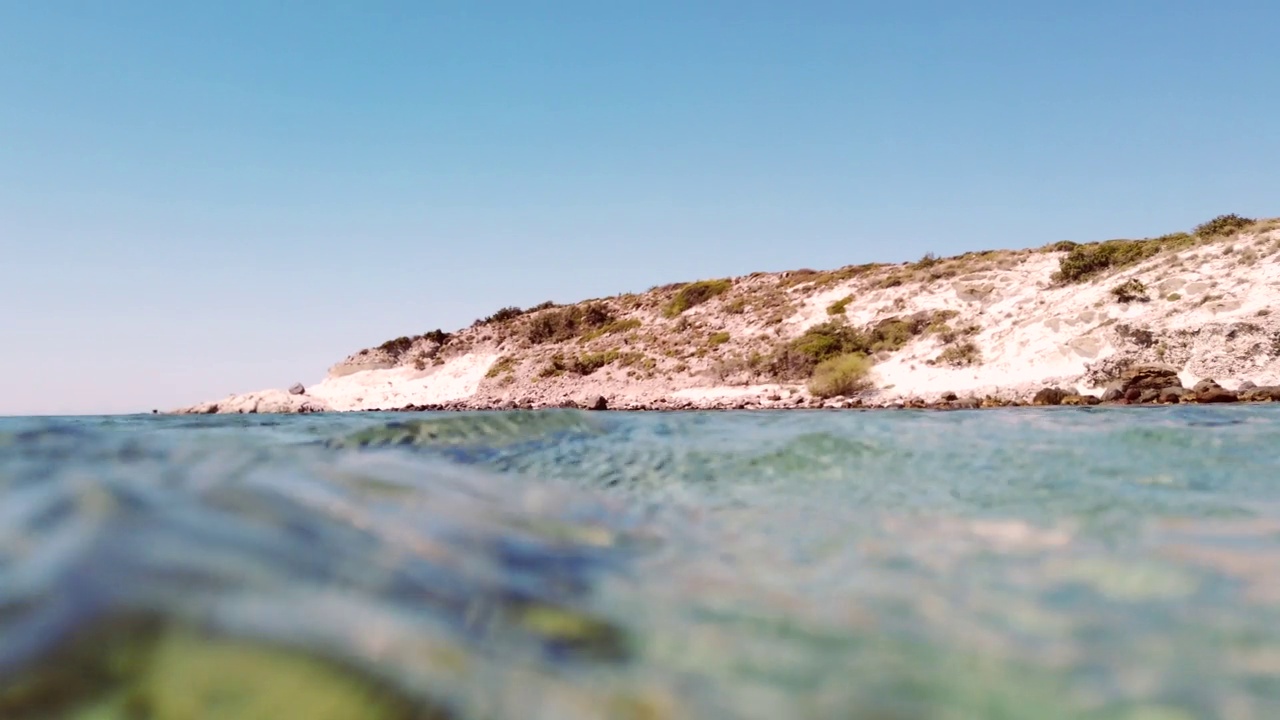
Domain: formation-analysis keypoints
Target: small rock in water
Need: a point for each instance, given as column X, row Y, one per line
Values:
column 297, row 389
column 1172, row 395
column 600, row 404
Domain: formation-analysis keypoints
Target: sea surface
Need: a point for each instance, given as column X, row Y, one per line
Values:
column 896, row 565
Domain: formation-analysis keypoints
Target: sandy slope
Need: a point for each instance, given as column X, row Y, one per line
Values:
column 1209, row 315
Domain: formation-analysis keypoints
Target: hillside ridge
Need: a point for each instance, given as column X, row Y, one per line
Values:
column 995, row 327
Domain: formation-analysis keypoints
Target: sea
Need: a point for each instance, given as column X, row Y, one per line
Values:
column 1040, row 563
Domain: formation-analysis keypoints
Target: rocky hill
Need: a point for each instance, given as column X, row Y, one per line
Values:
column 981, row 328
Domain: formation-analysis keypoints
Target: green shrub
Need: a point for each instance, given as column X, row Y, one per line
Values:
column 927, row 261
column 401, row 345
column 841, row 375
column 588, row 363
column 837, row 307
column 1130, row 290
column 695, row 294
column 960, row 355
column 504, row 364
column 616, row 326
column 584, row 364
column 798, row 358
column 718, row 338
column 1086, row 261
column 1223, row 225
column 567, row 323
column 502, row 315
column 397, row 347
column 1173, row 296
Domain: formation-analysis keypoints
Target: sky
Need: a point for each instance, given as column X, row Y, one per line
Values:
column 205, row 198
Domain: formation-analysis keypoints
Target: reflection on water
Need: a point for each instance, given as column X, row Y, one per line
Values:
column 1052, row 563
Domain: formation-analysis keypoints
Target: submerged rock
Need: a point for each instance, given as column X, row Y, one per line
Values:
column 131, row 667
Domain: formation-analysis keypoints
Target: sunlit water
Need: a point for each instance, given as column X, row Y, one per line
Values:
column 1056, row 563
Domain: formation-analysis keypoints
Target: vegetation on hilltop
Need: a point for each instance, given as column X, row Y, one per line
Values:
column 1089, row 260
column 401, row 345
column 695, row 294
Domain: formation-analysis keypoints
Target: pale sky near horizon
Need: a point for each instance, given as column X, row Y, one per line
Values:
column 205, row 198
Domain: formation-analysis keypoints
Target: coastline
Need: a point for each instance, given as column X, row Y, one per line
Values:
column 983, row 329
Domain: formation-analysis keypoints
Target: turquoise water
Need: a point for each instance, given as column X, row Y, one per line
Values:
column 1020, row 563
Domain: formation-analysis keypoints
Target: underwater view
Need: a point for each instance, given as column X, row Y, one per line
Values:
column 894, row 565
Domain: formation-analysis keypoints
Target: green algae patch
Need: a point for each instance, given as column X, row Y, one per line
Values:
column 131, row 671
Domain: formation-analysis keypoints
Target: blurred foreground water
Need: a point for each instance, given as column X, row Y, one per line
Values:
column 1048, row 563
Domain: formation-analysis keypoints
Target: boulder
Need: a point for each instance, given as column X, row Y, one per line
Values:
column 1113, row 393
column 599, row 404
column 297, row 389
column 1266, row 393
column 1149, row 376
column 1149, row 395
column 1049, row 396
column 1172, row 394
column 969, row 403
column 1205, row 385
column 1246, row 385
column 949, row 396
column 1216, row 394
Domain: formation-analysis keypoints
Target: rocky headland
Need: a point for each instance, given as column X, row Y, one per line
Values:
column 1183, row 317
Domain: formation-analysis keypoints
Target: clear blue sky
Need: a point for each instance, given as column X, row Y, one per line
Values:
column 198, row 198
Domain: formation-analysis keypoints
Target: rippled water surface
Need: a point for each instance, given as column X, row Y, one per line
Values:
column 1055, row 563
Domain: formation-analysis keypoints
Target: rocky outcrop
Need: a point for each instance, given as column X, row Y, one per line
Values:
column 1149, row 377
column 267, row 401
